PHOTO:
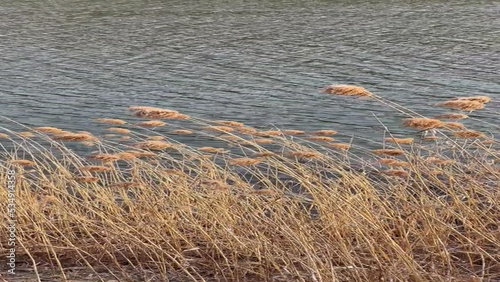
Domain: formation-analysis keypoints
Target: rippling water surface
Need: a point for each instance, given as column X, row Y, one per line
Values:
column 260, row 62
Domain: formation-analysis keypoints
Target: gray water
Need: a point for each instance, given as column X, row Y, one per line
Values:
column 259, row 62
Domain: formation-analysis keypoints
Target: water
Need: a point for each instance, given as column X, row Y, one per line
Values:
column 262, row 63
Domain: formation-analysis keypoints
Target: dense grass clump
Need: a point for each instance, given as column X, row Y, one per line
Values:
column 255, row 204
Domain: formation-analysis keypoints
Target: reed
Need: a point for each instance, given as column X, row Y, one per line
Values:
column 259, row 205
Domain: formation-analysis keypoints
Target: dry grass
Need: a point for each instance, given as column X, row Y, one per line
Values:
column 293, row 210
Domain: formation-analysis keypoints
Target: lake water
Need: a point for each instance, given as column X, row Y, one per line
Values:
column 259, row 62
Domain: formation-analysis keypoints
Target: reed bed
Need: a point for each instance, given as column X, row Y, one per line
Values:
column 264, row 205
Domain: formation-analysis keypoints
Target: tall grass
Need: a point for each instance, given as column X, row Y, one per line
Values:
column 267, row 205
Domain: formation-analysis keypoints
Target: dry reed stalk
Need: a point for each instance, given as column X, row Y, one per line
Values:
column 342, row 146
column 219, row 128
column 119, row 130
column 388, row 152
column 480, row 99
column 347, row 90
column 70, row 136
column 306, row 154
column 151, row 123
column 182, row 131
column 156, row 138
column 212, row 150
column 468, row 134
column 95, row 168
column 324, row 132
column 104, row 157
column 153, row 145
column 230, row 123
column 263, row 192
column 464, row 105
column 123, row 184
column 452, row 116
column 396, row 172
column 423, row 123
column 111, row 121
column 454, row 125
column 86, row 179
column 399, row 140
column 293, row 132
column 394, row 162
column 244, row 161
column 321, row 138
column 23, row 162
column 47, row 129
column 26, row 134
column 214, row 184
column 4, row 136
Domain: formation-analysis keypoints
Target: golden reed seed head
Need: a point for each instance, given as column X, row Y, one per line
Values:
column 88, row 143
column 394, row 162
column 468, row 134
column 182, row 132
column 47, row 129
column 111, row 121
column 123, row 184
column 264, row 155
column 212, row 150
column 423, row 123
column 264, row 192
column 269, row 133
column 230, row 123
column 399, row 140
column 86, row 179
column 119, row 130
column 262, row 141
column 70, row 136
column 23, row 162
column 153, row 145
column 430, row 138
column 228, row 137
column 95, row 168
column 4, row 136
column 247, row 130
column 454, row 125
column 156, row 113
column 293, row 132
column 464, row 105
column 324, row 132
column 306, row 154
column 156, row 138
column 244, row 161
column 124, row 138
column 26, row 134
column 109, row 135
column 347, row 90
column 126, row 156
column 452, row 116
column 396, row 172
column 388, row 152
column 105, row 157
column 151, row 123
column 321, row 138
column 137, row 154
column 439, row 161
column 341, row 146
column 214, row 184
column 219, row 128
column 480, row 99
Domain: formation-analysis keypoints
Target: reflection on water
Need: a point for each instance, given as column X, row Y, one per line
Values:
column 260, row 63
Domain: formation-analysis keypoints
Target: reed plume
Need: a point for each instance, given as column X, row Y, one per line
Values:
column 464, row 105
column 26, row 134
column 423, row 123
column 212, row 150
column 48, row 129
column 439, row 161
column 480, row 99
column 452, row 116
column 263, row 141
column 111, row 121
column 70, row 136
column 153, row 145
column 394, row 162
column 4, row 136
column 230, row 123
column 23, row 162
column 399, row 140
column 119, row 130
column 156, row 138
column 389, row 152
column 293, row 132
column 325, row 132
column 247, row 130
column 219, row 128
column 86, row 179
column 182, row 131
column 454, row 125
column 468, row 134
column 306, row 154
column 269, row 133
column 342, row 146
column 347, row 90
column 105, row 157
column 321, row 138
column 95, row 168
column 151, row 123
column 396, row 172
column 244, row 161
